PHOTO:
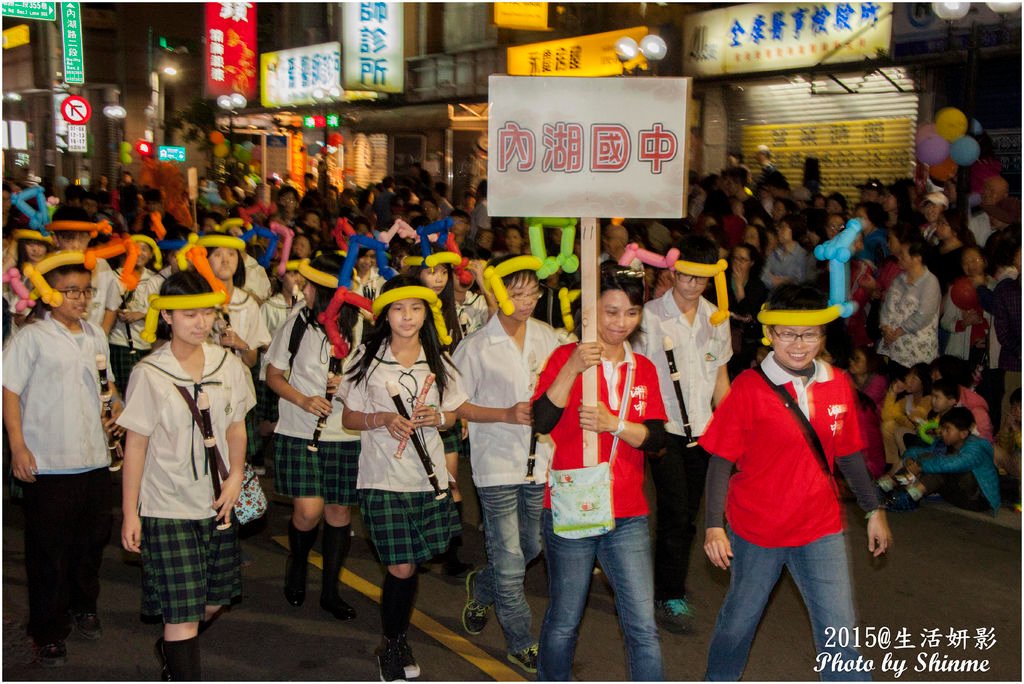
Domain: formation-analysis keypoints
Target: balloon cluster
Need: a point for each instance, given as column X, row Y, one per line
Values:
column 948, row 144
column 566, row 259
column 39, row 215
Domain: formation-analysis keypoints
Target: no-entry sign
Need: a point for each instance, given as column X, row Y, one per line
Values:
column 76, row 110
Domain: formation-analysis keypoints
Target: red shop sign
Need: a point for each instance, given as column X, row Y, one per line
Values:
column 231, row 60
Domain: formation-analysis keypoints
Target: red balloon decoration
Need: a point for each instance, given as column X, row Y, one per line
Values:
column 964, row 294
column 943, row 171
column 335, row 139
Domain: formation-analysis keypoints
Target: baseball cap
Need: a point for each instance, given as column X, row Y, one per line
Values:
column 937, row 198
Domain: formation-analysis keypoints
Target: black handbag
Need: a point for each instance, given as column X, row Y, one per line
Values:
column 805, row 425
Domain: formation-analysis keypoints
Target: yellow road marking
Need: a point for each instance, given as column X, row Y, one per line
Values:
column 460, row 646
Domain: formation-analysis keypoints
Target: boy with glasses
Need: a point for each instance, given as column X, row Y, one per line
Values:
column 701, row 351
column 52, row 412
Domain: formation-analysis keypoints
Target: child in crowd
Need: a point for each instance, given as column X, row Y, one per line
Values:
column 301, row 367
column 865, row 367
column 958, row 467
column 905, row 407
column 126, row 344
column 52, row 412
column 406, row 521
column 174, row 507
column 788, row 262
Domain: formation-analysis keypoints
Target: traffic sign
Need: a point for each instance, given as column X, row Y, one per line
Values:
column 76, row 110
column 77, row 138
column 74, row 62
column 42, row 11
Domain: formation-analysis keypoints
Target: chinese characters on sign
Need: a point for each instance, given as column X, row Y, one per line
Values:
column 41, row 11
column 78, row 138
column 289, row 77
column 848, row 151
column 560, row 146
column 528, row 16
column 767, row 37
column 374, row 37
column 231, row 49
column 74, row 61
column 592, row 55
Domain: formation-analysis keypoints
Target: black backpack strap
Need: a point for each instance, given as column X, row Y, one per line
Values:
column 298, row 331
column 805, row 425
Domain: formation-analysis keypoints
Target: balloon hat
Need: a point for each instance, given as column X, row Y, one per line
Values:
column 314, row 276
column 93, row 229
column 493, row 278
column 35, row 273
column 837, row 252
column 158, row 257
column 416, row 292
column 29, row 234
column 565, row 299
column 271, row 237
column 39, row 215
column 716, row 271
column 565, row 259
column 158, row 303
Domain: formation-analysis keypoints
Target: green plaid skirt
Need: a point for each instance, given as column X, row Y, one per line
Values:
column 329, row 473
column 188, row 565
column 408, row 527
column 266, row 403
column 452, row 440
column 122, row 361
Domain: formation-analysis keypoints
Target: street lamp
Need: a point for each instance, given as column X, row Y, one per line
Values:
column 115, row 115
column 652, row 47
column 231, row 104
column 323, row 98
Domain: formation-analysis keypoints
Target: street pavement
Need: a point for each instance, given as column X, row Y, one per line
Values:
column 948, row 572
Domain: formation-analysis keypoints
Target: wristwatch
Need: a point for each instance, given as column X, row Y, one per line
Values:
column 618, row 430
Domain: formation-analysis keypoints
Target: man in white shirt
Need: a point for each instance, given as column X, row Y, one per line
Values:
column 499, row 365
column 701, row 351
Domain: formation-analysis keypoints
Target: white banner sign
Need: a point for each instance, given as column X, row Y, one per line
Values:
column 77, row 138
column 601, row 147
column 289, row 77
column 374, row 42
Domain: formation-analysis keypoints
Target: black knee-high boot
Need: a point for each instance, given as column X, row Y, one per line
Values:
column 454, row 567
column 182, row 658
column 396, row 601
column 337, row 541
column 299, row 543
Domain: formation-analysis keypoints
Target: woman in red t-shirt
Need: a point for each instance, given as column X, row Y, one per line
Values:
column 629, row 418
column 782, row 504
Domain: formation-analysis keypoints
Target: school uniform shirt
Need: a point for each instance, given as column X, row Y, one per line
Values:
column 137, row 303
column 53, row 371
column 274, row 312
column 378, row 467
column 497, row 374
column 780, row 495
column 176, row 481
column 246, row 321
column 645, row 404
column 107, row 297
column 256, row 279
column 308, row 374
column 700, row 350
column 472, row 313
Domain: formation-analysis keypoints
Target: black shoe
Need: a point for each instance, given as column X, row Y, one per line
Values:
column 338, row 608
column 88, row 625
column 412, row 670
column 389, row 662
column 52, row 655
column 165, row 671
column 453, row 567
column 294, row 587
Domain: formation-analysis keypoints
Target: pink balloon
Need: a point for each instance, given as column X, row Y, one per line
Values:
column 925, row 131
column 933, row 150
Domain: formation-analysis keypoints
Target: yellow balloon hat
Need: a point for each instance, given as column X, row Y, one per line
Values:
column 158, row 256
column 494, row 274
column 565, row 299
column 716, row 271
column 314, row 276
column 207, row 300
column 36, row 272
column 26, row 234
column 416, row 292
column 434, row 259
column 797, row 318
column 211, row 241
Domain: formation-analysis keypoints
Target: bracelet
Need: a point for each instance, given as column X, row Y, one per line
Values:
column 366, row 421
column 870, row 513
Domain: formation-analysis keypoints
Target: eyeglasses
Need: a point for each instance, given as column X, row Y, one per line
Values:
column 687, row 278
column 75, row 294
column 789, row 337
column 525, row 297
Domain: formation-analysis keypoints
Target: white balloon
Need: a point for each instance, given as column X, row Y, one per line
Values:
column 626, row 48
column 951, row 11
column 653, row 47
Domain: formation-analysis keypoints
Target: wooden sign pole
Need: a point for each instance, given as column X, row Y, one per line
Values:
column 590, row 283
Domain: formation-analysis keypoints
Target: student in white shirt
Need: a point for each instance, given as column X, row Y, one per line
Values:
column 702, row 351
column 126, row 344
column 52, row 412
column 71, row 232
column 499, row 365
column 191, row 567
column 322, row 483
column 407, row 524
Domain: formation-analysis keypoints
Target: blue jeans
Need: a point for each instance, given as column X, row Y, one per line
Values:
column 625, row 556
column 512, row 535
column 821, row 572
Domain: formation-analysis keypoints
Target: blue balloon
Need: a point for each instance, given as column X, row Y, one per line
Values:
column 976, row 128
column 39, row 215
column 260, row 231
column 965, row 150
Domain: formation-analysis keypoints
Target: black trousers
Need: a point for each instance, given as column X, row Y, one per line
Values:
column 679, row 485
column 67, row 525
